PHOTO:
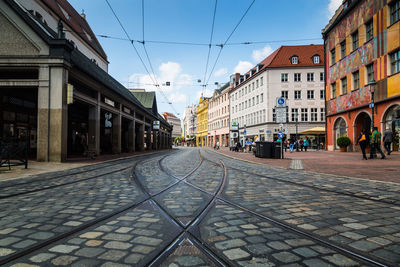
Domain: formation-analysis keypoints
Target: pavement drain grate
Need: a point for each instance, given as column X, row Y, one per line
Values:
column 296, row 164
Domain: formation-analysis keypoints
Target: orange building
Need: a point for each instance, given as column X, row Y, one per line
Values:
column 362, row 45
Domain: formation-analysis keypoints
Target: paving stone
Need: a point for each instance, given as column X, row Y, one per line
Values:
column 355, row 225
column 305, row 252
column 7, row 231
column 341, row 260
column 147, row 240
column 380, row 241
column 8, row 240
column 6, row 251
column 117, row 237
column 91, row 235
column 24, row 244
column 41, row 235
column 259, row 249
column 124, row 230
column 190, row 261
column 117, row 245
column 315, row 262
column 86, row 263
column 278, row 245
column 114, row 255
column 42, row 257
column 255, row 239
column 133, row 258
column 286, row 257
column 143, row 249
column 230, row 244
column 364, row 245
column 299, row 242
column 113, row 264
column 235, row 234
column 236, row 253
column 63, row 260
column 76, row 241
column 24, row 265
column 63, row 248
column 89, row 252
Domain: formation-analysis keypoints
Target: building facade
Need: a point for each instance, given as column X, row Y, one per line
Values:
column 218, row 117
column 175, row 122
column 55, row 91
column 295, row 73
column 362, row 50
column 202, row 122
column 190, row 122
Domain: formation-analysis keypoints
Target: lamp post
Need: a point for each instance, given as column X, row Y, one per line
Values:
column 297, row 121
column 371, row 85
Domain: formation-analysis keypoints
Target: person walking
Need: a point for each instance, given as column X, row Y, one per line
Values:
column 291, row 145
column 387, row 140
column 376, row 141
column 306, row 143
column 362, row 140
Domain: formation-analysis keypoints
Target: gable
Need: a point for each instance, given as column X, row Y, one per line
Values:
column 17, row 38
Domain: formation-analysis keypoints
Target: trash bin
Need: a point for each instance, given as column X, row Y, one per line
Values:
column 276, row 150
column 264, row 149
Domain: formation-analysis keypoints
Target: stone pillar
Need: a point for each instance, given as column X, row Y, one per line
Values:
column 52, row 114
column 116, row 133
column 141, row 137
column 148, row 138
column 43, row 114
column 131, row 136
column 94, row 129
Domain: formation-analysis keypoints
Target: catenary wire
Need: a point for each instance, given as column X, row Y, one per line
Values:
column 209, row 46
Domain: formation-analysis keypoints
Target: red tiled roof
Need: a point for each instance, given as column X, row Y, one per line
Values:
column 167, row 114
column 76, row 22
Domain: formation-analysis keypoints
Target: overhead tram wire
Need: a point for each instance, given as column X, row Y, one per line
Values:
column 209, row 46
column 229, row 37
column 137, row 52
column 151, row 65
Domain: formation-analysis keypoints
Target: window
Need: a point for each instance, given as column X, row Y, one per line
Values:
column 295, row 60
column 304, row 114
column 262, row 98
column 310, row 77
column 257, row 101
column 285, row 94
column 322, row 114
column 356, row 80
column 343, row 48
column 297, row 77
column 261, row 81
column 253, row 85
column 263, row 115
column 322, row 94
column 333, row 86
column 310, row 94
column 344, row 85
column 369, row 30
column 314, row 114
column 394, row 11
column 322, row 76
column 273, row 115
column 297, row 94
column 245, row 104
column 253, row 101
column 354, row 38
column 256, row 83
column 295, row 114
column 316, row 59
column 284, row 77
column 395, row 61
column 333, row 56
column 370, row 72
column 245, row 90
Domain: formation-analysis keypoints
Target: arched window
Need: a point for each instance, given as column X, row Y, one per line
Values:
column 340, row 129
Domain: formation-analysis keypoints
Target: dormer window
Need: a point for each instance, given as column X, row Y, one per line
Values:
column 295, row 60
column 316, row 59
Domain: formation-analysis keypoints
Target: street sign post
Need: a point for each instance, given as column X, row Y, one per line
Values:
column 280, row 135
column 280, row 114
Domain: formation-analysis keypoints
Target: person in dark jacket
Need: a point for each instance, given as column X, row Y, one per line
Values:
column 362, row 140
column 387, row 140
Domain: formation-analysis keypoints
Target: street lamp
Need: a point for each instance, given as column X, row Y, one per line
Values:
column 371, row 85
column 297, row 122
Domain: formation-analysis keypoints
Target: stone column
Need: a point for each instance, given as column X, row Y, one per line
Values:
column 116, row 133
column 131, row 136
column 43, row 114
column 57, row 116
column 94, row 129
column 148, row 138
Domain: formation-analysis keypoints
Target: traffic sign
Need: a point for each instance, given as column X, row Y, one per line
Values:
column 244, row 132
column 281, row 102
column 280, row 134
column 280, row 114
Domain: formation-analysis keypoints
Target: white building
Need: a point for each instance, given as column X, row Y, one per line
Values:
column 218, row 116
column 175, row 122
column 293, row 72
column 189, row 121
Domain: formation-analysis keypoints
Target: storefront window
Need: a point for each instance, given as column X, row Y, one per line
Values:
column 392, row 122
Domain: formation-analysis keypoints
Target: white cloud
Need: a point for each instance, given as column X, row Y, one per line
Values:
column 259, row 55
column 221, row 72
column 206, row 93
column 243, row 67
column 177, row 98
column 333, row 5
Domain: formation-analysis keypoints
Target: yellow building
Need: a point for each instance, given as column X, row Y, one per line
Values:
column 202, row 122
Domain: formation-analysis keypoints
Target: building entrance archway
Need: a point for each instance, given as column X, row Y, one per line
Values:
column 362, row 121
column 340, row 129
column 391, row 121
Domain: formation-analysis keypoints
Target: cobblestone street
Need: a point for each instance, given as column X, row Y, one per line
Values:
column 195, row 207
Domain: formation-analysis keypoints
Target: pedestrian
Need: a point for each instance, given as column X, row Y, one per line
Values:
column 362, row 140
column 291, row 145
column 217, row 145
column 301, row 144
column 84, row 144
column 376, row 142
column 306, row 143
column 387, row 140
column 285, row 144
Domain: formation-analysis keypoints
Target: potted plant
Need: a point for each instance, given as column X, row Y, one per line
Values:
column 343, row 142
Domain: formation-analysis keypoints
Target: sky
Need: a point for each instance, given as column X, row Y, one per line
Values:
column 267, row 25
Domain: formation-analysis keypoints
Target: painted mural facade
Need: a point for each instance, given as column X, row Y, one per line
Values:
column 348, row 101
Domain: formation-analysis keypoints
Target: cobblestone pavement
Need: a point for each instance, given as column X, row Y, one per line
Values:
column 190, row 207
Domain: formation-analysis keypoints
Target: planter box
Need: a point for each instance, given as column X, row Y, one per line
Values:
column 343, row 149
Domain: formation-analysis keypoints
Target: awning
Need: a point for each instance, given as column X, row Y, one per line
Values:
column 315, row 130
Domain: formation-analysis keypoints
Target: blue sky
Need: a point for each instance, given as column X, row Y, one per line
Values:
column 268, row 21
